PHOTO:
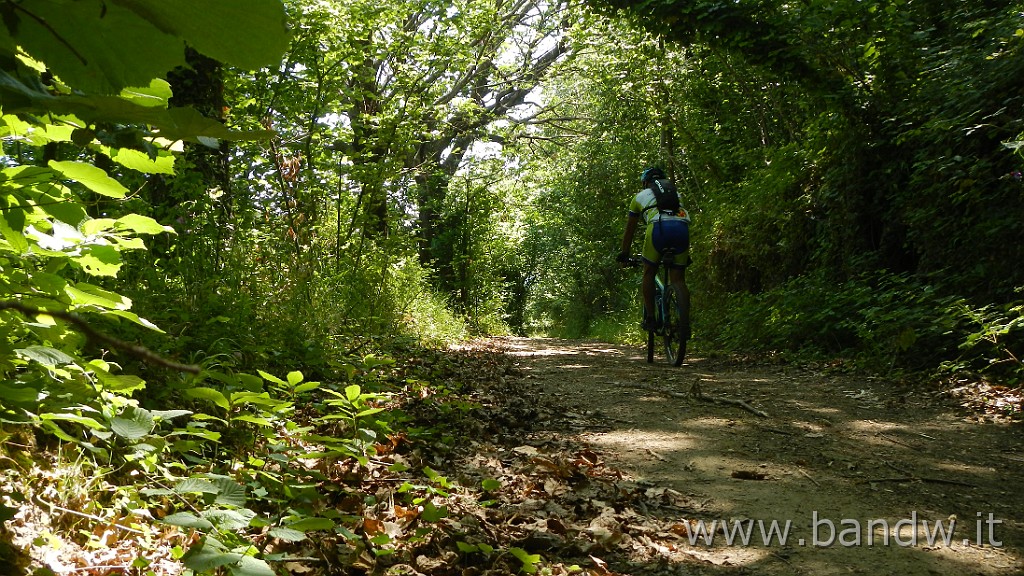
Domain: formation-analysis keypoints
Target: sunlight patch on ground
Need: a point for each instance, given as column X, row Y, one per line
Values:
column 543, row 352
column 731, row 556
column 961, row 468
column 876, row 426
column 709, row 422
column 824, row 410
column 643, row 441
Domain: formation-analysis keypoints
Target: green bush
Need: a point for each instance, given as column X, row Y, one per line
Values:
column 879, row 319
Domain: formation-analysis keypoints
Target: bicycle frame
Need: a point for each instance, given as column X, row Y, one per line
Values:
column 667, row 315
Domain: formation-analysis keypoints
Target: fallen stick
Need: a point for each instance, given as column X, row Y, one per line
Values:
column 38, row 501
column 695, row 392
column 776, row 431
column 893, row 440
column 918, row 479
column 801, row 470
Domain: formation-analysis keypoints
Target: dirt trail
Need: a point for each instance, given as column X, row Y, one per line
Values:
column 843, row 450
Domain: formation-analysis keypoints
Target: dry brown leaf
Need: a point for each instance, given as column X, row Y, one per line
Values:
column 372, row 526
column 600, row 565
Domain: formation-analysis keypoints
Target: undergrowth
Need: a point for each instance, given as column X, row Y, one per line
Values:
column 889, row 323
column 248, row 474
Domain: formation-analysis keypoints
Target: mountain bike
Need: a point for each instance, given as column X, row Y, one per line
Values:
column 669, row 316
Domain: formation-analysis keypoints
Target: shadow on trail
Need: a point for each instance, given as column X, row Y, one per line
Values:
column 872, row 479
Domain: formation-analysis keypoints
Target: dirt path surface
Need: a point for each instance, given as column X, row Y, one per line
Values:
column 849, row 462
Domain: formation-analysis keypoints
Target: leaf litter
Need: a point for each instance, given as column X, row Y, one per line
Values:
column 495, row 470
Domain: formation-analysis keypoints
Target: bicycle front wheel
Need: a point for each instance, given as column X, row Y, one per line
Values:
column 675, row 344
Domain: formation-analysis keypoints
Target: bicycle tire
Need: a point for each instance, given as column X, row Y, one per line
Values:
column 675, row 345
column 650, row 346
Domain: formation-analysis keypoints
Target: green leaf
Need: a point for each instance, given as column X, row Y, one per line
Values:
column 208, row 555
column 170, row 414
column 310, row 524
column 249, row 566
column 84, row 294
column 94, row 226
column 174, row 124
column 210, row 395
column 432, row 513
column 294, row 377
column 287, row 534
column 156, row 94
column 187, row 520
column 45, row 355
column 249, row 382
column 306, row 387
column 230, row 520
column 12, row 394
column 138, row 160
column 134, row 318
column 196, row 485
column 133, row 423
column 122, row 383
column 271, row 378
column 51, row 284
column 142, row 224
column 466, row 547
column 253, row 420
column 99, row 260
column 490, row 484
column 91, row 177
column 96, row 46
column 147, row 492
column 245, row 33
column 353, row 392
column 529, row 561
column 12, row 223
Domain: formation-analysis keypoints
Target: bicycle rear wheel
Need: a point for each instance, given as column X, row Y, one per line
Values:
column 675, row 344
column 650, row 346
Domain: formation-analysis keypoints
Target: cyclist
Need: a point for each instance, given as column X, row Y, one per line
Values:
column 667, row 226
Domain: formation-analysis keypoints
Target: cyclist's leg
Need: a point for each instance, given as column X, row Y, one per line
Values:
column 647, row 290
column 677, row 276
column 651, row 257
column 677, row 236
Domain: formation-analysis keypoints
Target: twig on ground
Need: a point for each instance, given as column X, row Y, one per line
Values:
column 695, row 392
column 808, row 476
column 910, row 477
column 918, row 479
column 44, row 504
column 776, row 430
column 897, row 468
column 893, row 440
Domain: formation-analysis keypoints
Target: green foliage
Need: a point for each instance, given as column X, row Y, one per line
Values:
column 881, row 321
column 101, row 49
column 55, row 258
column 993, row 342
column 68, row 71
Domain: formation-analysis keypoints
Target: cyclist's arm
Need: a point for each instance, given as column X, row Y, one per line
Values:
column 627, row 238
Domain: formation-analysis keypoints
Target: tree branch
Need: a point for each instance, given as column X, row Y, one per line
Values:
column 132, row 349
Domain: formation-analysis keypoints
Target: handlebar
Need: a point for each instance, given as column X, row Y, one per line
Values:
column 633, row 262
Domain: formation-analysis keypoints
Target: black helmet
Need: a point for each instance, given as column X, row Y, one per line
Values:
column 652, row 173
